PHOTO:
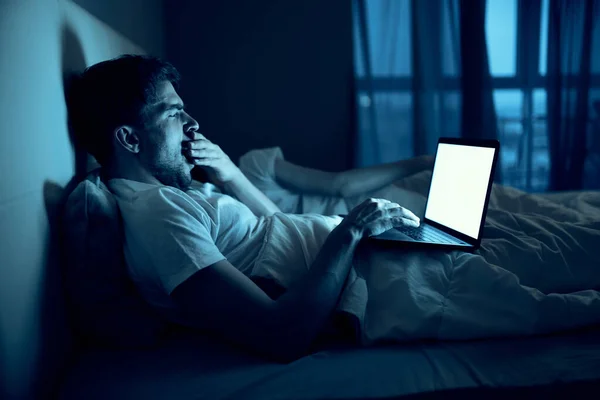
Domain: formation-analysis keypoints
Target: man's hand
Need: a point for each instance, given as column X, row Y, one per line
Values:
column 209, row 156
column 375, row 216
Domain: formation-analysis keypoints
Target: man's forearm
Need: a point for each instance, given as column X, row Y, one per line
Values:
column 250, row 195
column 307, row 305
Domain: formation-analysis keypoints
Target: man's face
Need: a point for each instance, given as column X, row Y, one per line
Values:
column 168, row 126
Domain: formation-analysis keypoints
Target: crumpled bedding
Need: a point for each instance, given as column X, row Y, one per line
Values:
column 536, row 271
column 259, row 164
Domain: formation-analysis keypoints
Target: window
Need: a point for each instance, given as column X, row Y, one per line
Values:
column 509, row 106
column 517, row 54
column 520, row 103
column 392, row 138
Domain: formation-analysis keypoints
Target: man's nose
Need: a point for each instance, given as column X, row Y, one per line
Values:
column 191, row 127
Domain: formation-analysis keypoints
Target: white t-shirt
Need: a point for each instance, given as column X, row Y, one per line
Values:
column 170, row 234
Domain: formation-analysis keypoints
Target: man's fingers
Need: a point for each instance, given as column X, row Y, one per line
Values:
column 200, row 153
column 198, row 141
column 372, row 200
column 198, row 136
column 403, row 221
column 198, row 144
column 409, row 214
column 195, row 136
column 207, row 162
column 401, row 211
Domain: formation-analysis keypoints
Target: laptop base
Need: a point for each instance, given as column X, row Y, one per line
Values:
column 398, row 240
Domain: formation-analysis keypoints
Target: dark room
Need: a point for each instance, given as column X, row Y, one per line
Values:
column 299, row 199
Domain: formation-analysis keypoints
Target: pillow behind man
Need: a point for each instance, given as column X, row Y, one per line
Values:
column 105, row 307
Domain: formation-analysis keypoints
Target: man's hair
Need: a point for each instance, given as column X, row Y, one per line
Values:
column 113, row 93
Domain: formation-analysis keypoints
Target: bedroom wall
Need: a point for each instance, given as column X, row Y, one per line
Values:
column 267, row 73
column 40, row 40
column 140, row 21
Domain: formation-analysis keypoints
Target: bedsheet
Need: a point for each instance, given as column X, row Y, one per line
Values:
column 193, row 367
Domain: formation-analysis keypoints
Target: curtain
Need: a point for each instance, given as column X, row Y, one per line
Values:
column 428, row 88
column 409, row 69
column 522, row 71
column 572, row 132
column 478, row 110
column 479, row 115
column 407, row 77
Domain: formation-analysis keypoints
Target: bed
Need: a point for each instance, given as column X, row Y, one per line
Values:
column 192, row 367
column 189, row 365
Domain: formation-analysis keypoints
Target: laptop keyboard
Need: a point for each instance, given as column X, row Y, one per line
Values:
column 425, row 233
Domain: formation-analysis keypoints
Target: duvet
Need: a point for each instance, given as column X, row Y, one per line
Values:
column 537, row 271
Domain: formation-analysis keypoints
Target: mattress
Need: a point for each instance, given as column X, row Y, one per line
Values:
column 195, row 367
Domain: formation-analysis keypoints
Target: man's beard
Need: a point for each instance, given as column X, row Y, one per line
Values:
column 176, row 175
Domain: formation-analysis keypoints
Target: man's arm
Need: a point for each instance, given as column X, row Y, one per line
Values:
column 225, row 174
column 221, row 299
column 347, row 183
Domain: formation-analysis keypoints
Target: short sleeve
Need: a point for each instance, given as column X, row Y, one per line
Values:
column 177, row 239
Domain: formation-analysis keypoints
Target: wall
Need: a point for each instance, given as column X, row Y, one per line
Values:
column 259, row 74
column 141, row 21
column 266, row 73
column 40, row 40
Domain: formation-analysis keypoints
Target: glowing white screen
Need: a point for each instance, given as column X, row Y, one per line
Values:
column 458, row 187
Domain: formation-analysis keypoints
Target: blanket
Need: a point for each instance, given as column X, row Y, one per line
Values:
column 537, row 271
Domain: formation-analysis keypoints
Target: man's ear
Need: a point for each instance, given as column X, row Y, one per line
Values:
column 126, row 137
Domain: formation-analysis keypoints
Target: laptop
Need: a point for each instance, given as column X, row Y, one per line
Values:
column 459, row 193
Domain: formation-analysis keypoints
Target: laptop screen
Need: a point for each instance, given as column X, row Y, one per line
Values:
column 459, row 186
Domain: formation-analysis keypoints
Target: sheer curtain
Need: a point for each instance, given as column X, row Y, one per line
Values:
column 572, row 131
column 407, row 77
column 522, row 71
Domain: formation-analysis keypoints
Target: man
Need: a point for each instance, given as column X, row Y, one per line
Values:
column 191, row 249
column 195, row 251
